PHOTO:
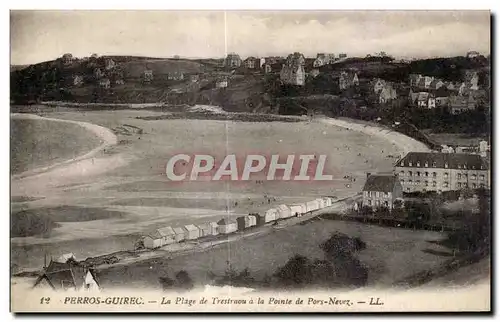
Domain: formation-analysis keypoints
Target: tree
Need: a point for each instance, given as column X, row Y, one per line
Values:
column 366, row 211
column 339, row 244
column 166, row 282
column 183, row 280
column 296, row 272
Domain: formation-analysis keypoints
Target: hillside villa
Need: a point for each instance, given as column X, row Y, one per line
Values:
column 105, row 83
column 323, row 59
column 252, row 63
column 348, row 78
column 381, row 190
column 293, row 71
column 147, row 75
column 232, row 60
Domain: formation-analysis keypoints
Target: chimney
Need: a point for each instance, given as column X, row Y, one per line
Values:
column 368, row 174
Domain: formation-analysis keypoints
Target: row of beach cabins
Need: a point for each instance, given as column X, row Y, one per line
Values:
column 168, row 235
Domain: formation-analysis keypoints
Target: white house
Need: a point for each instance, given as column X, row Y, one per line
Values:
column 192, row 232
column 227, row 225
column 180, row 234
column 312, row 205
column 298, row 209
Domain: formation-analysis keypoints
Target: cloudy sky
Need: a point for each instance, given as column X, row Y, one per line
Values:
column 44, row 35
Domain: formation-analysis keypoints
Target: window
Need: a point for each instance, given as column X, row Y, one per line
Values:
column 410, row 164
column 426, row 164
column 446, row 175
column 426, row 174
column 446, row 164
column 402, row 163
column 481, row 185
column 481, row 177
column 474, row 186
column 417, row 182
column 402, row 181
column 474, row 177
column 445, row 184
column 369, row 193
column 465, row 176
column 459, row 184
column 434, row 174
column 434, row 164
column 433, row 183
column 459, row 176
column 410, row 182
column 377, row 203
column 410, row 173
column 418, row 173
column 402, row 173
column 386, row 203
column 418, row 163
column 426, row 183
column 408, row 189
column 377, row 194
column 369, row 202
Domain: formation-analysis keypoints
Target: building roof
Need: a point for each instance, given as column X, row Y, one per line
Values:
column 233, row 56
column 423, row 96
column 442, row 92
column 226, row 221
column 69, row 272
column 380, row 182
column 434, row 83
column 166, row 231
column 65, row 257
column 282, row 207
column 179, row 230
column 438, row 160
column 458, row 101
column 154, row 235
column 203, row 226
column 191, row 227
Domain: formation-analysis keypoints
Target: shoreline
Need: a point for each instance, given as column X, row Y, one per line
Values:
column 402, row 141
column 107, row 137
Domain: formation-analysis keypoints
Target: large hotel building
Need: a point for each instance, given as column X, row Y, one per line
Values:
column 424, row 171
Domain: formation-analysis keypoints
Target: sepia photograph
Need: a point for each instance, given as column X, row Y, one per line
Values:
column 250, row 161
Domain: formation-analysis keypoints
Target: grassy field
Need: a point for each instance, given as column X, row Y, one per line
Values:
column 391, row 254
column 37, row 143
column 456, row 139
column 129, row 179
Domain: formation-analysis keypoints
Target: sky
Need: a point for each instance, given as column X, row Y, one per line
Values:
column 38, row 36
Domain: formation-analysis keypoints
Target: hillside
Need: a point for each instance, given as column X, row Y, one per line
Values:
column 55, row 80
column 247, row 91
